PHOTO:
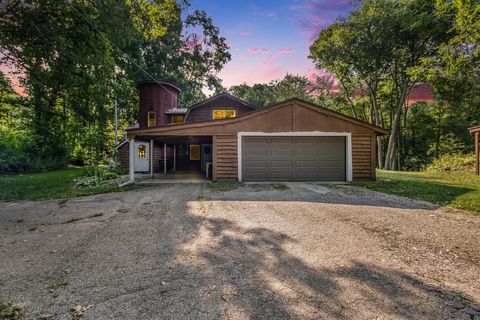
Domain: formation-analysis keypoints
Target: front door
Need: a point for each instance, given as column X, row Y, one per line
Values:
column 142, row 157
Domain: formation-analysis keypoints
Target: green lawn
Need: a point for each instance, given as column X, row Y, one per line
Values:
column 457, row 190
column 47, row 185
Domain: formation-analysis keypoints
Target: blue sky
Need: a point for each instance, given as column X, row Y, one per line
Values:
column 269, row 38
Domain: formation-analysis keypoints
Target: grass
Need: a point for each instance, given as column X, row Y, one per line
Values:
column 224, row 186
column 56, row 184
column 456, row 190
column 10, row 310
column 280, row 186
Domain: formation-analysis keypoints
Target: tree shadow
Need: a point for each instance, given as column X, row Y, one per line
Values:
column 328, row 194
column 247, row 273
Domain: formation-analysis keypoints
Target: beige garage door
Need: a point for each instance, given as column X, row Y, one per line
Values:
column 293, row 159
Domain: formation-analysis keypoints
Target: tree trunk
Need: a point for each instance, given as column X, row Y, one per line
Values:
column 395, row 130
column 350, row 102
column 376, row 121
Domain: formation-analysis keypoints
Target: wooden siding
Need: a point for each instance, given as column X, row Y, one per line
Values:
column 123, row 156
column 223, row 102
column 362, row 157
column 225, row 157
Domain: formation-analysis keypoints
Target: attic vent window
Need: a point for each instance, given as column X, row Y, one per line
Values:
column 151, row 119
column 222, row 114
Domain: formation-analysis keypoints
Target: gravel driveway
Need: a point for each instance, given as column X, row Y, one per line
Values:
column 182, row 251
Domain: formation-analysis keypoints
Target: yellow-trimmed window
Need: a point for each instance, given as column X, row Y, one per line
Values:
column 194, row 152
column 222, row 114
column 177, row 118
column 151, row 119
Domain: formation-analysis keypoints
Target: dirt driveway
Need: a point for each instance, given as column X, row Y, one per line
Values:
column 185, row 252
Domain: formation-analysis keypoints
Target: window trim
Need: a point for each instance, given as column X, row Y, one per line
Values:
column 154, row 119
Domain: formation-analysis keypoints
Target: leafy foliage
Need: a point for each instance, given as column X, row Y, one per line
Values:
column 384, row 49
column 74, row 58
column 97, row 176
column 452, row 163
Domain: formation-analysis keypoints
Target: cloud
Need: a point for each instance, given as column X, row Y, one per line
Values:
column 258, row 50
column 271, row 14
column 244, row 33
column 284, row 50
column 315, row 15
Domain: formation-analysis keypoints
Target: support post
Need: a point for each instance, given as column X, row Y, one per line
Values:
column 151, row 158
column 131, row 159
column 164, row 158
column 174, row 158
column 477, row 156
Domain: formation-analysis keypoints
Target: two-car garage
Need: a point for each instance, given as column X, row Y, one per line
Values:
column 294, row 158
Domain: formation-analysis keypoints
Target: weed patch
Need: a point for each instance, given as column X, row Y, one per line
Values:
column 224, row 186
column 10, row 311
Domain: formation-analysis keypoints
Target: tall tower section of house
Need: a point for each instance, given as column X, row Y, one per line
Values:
column 156, row 99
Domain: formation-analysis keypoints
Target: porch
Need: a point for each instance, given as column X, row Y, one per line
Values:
column 170, row 159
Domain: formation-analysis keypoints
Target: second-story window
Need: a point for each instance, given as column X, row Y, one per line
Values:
column 151, row 119
column 222, row 114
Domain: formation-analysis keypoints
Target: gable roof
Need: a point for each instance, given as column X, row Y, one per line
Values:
column 223, row 122
column 218, row 96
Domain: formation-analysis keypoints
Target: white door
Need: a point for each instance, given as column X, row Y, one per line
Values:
column 142, row 157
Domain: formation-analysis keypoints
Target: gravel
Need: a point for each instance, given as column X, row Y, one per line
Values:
column 181, row 251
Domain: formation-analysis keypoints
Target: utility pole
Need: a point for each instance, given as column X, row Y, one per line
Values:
column 116, row 120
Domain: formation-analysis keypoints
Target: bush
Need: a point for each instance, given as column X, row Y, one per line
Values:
column 13, row 161
column 452, row 163
column 97, row 176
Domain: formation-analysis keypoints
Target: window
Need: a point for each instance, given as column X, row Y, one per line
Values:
column 222, row 114
column 177, row 118
column 194, row 152
column 142, row 151
column 151, row 119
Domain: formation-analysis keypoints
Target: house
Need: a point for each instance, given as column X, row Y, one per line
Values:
column 229, row 139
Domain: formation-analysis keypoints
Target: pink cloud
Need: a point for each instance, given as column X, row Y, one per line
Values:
column 285, row 50
column 258, row 50
column 244, row 33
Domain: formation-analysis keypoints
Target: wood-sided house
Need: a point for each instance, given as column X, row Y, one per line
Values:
column 293, row 140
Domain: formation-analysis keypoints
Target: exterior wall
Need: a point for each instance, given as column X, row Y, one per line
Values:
column 123, row 155
column 204, row 111
column 225, row 158
column 157, row 98
column 363, row 156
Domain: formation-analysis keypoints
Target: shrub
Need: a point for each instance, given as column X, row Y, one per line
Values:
column 452, row 163
column 97, row 176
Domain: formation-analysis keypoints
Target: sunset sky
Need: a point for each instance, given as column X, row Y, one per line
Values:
column 270, row 38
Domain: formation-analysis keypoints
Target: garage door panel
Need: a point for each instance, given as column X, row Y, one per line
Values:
column 256, row 163
column 293, row 158
column 288, row 163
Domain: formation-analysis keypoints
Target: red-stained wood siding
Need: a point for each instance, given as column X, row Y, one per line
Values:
column 225, row 157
